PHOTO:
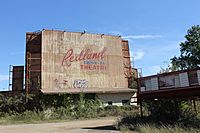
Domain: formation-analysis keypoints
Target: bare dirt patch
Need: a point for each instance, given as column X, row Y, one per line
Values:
column 103, row 125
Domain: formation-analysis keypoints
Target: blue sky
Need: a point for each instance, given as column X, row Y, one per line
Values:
column 154, row 28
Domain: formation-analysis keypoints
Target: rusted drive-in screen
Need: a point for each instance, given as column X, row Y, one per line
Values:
column 79, row 61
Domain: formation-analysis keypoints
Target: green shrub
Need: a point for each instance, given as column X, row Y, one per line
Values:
column 165, row 116
column 17, row 103
column 86, row 108
column 56, row 107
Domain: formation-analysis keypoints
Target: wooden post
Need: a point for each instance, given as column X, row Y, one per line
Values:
column 141, row 113
column 194, row 103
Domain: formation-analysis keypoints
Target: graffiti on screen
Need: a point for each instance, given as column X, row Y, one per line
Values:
column 60, row 84
column 81, row 84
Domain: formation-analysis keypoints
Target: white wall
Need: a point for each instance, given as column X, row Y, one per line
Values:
column 116, row 98
column 134, row 99
column 184, row 79
column 154, row 83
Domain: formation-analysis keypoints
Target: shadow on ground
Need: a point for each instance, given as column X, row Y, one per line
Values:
column 109, row 127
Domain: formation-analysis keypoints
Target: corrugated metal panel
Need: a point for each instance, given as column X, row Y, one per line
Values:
column 177, row 81
column 148, row 85
column 184, row 79
column 198, row 75
column 154, row 83
column 18, row 78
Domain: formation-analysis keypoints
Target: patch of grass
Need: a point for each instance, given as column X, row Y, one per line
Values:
column 88, row 110
column 118, row 110
column 165, row 129
column 157, row 120
column 142, row 126
column 189, row 123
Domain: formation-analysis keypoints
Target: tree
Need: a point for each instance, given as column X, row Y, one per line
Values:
column 170, row 68
column 190, row 50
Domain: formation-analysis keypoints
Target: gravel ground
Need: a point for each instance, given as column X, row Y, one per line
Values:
column 103, row 125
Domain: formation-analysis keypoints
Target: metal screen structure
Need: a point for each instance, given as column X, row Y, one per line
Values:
column 18, row 78
column 73, row 62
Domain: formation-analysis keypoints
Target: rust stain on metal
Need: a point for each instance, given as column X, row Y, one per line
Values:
column 57, row 60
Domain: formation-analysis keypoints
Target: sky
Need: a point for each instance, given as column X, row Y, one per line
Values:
column 154, row 28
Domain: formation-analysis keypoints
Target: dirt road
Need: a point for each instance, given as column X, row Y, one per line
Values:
column 104, row 125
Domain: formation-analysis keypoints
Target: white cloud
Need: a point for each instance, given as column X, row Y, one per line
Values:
column 142, row 37
column 154, row 69
column 4, row 77
column 116, row 33
column 137, row 55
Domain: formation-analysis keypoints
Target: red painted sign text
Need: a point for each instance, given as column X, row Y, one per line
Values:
column 86, row 54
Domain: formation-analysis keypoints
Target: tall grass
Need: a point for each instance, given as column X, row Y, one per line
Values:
column 165, row 129
column 164, row 117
